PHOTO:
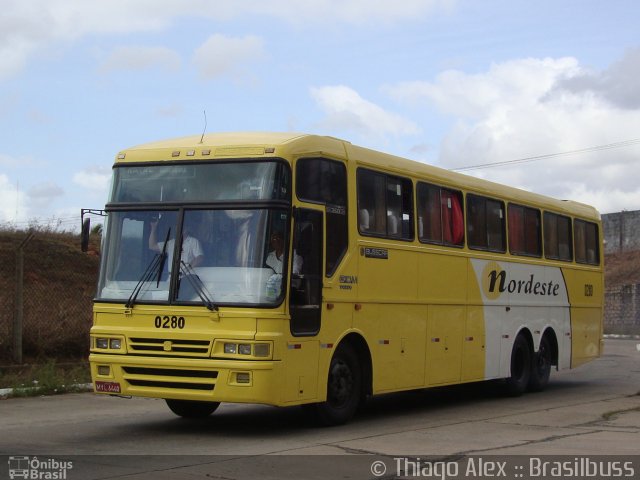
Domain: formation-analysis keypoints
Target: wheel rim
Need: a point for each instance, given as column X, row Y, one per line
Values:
column 340, row 384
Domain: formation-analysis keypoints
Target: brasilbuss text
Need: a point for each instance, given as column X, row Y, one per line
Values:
column 528, row 287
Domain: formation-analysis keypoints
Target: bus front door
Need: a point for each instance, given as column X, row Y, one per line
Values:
column 305, row 307
column 305, row 299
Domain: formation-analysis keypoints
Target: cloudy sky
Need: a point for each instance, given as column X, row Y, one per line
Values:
column 455, row 83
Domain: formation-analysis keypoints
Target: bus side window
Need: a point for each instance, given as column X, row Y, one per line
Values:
column 524, row 230
column 324, row 181
column 387, row 201
column 586, row 242
column 557, row 237
column 486, row 224
column 440, row 218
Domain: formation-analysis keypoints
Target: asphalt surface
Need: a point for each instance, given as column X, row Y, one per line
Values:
column 590, row 411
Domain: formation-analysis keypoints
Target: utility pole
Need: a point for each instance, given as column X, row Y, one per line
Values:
column 19, row 314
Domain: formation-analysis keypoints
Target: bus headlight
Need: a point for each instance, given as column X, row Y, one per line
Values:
column 256, row 350
column 110, row 344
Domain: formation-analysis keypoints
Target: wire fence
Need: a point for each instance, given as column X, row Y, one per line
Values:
column 46, row 291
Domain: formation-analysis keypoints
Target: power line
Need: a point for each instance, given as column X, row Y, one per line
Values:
column 609, row 146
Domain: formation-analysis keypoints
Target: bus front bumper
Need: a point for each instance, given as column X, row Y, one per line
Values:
column 187, row 379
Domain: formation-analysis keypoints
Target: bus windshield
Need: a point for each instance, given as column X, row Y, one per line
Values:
column 222, row 256
column 211, row 182
column 196, row 234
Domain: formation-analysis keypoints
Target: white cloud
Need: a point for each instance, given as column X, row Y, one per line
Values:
column 531, row 107
column 141, row 58
column 40, row 197
column 346, row 110
column 618, row 84
column 95, row 179
column 27, row 27
column 517, row 83
column 221, row 55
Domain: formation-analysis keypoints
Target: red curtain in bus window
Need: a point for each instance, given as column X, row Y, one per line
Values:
column 433, row 232
column 516, row 230
column 452, row 219
column 532, row 232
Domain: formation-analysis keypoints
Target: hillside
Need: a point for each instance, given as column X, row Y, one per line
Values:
column 58, row 288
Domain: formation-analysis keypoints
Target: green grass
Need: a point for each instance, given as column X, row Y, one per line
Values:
column 46, row 379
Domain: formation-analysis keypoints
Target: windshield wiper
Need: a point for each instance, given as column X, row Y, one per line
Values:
column 189, row 274
column 146, row 276
column 156, row 264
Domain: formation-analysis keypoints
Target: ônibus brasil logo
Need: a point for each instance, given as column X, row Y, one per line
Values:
column 34, row 468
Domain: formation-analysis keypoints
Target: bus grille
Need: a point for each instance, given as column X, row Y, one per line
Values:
column 170, row 346
column 170, row 378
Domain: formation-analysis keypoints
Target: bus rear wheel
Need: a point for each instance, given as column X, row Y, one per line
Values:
column 192, row 408
column 344, row 388
column 520, row 367
column 541, row 366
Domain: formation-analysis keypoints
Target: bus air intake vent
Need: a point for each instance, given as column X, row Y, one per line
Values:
column 170, row 346
column 170, row 378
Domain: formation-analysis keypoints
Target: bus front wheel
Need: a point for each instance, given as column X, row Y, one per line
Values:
column 520, row 367
column 344, row 388
column 191, row 408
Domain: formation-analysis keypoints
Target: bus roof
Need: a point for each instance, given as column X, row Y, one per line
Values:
column 259, row 144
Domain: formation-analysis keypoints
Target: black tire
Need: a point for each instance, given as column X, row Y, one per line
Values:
column 541, row 366
column 518, row 382
column 344, row 388
column 192, row 408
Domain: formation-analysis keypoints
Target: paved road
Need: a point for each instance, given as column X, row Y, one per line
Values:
column 593, row 410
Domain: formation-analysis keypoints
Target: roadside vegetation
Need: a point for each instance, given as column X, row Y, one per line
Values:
column 49, row 378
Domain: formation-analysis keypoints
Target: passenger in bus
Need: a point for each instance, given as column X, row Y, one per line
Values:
column 191, row 254
column 275, row 257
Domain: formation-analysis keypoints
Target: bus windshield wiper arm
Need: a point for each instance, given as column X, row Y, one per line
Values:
column 156, row 265
column 146, row 276
column 204, row 294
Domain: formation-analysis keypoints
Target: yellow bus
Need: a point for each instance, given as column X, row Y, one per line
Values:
column 289, row 269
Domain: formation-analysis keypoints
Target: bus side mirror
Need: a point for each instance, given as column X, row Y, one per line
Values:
column 84, row 235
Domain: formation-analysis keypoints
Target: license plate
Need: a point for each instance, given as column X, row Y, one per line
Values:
column 107, row 387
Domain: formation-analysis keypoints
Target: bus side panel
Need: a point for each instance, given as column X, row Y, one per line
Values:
column 387, row 282
column 444, row 344
column 518, row 296
column 474, row 345
column 442, row 279
column 301, row 360
column 586, row 294
column 474, row 356
column 586, row 335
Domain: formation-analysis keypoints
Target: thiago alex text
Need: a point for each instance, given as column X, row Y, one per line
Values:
column 517, row 468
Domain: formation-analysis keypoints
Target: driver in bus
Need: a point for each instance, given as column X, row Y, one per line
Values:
column 274, row 259
column 191, row 254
